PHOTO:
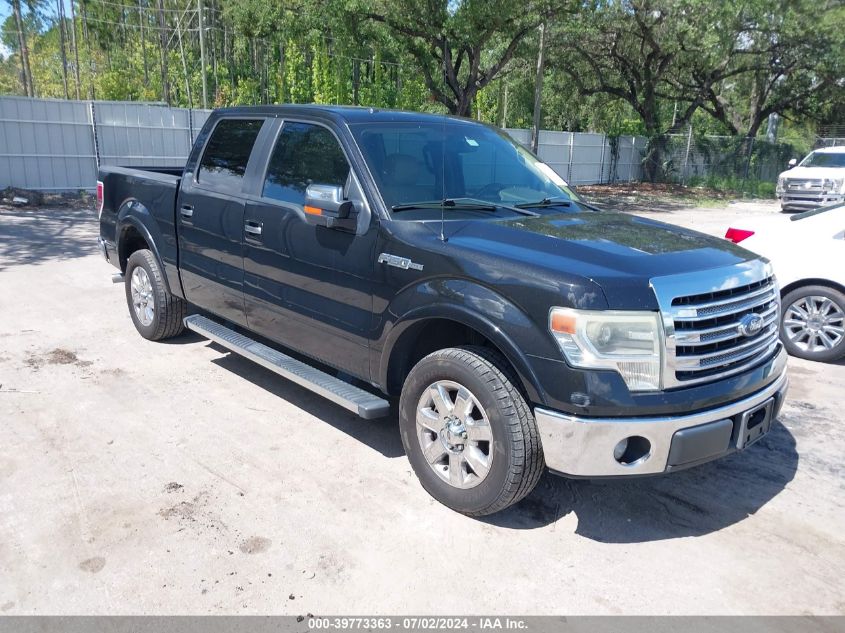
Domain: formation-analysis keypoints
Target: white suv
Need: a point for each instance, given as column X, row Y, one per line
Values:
column 816, row 181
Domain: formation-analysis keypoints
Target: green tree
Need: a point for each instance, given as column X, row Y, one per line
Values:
column 460, row 46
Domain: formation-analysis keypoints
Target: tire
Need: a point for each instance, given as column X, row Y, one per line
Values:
column 478, row 381
column 156, row 313
column 812, row 324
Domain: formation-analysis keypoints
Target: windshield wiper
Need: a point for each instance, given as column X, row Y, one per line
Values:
column 461, row 203
column 545, row 202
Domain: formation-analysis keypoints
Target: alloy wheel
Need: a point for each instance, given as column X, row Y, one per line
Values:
column 454, row 433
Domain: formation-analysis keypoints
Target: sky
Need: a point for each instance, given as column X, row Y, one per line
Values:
column 6, row 10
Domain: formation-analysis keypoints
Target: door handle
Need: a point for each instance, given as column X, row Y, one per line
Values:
column 187, row 211
column 253, row 228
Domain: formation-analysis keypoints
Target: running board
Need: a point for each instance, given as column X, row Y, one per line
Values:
column 357, row 400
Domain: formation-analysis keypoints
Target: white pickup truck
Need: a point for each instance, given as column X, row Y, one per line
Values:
column 816, row 181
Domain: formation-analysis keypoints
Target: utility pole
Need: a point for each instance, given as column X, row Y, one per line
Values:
column 202, row 56
column 60, row 13
column 162, row 27
column 538, row 90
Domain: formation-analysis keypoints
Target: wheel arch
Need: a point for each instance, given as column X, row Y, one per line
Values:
column 811, row 281
column 428, row 329
column 133, row 234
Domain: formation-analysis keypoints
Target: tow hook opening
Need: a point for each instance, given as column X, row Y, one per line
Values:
column 632, row 450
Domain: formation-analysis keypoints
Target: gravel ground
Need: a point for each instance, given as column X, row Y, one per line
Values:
column 140, row 477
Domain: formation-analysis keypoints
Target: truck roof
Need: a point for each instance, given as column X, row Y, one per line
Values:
column 830, row 150
column 347, row 114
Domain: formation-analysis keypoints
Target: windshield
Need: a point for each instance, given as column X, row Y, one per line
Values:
column 824, row 159
column 418, row 162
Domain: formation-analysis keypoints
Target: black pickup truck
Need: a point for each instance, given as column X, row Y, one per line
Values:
column 369, row 255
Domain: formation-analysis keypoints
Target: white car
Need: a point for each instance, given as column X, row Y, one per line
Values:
column 816, row 181
column 808, row 254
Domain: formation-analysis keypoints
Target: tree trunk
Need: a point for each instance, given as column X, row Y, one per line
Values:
column 143, row 41
column 75, row 50
column 538, row 90
column 26, row 71
column 165, row 85
column 281, row 72
column 184, row 64
column 61, row 11
column 356, row 81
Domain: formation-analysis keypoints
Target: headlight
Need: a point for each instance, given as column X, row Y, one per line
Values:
column 781, row 186
column 832, row 185
column 628, row 342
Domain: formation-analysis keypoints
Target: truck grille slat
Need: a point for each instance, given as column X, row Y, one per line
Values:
column 720, row 333
column 722, row 308
column 706, row 330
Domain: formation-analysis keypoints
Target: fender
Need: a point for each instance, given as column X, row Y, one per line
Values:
column 134, row 214
column 474, row 306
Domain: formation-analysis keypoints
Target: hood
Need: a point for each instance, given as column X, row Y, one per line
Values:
column 814, row 172
column 619, row 252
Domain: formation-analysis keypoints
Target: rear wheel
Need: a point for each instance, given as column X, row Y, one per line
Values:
column 813, row 323
column 156, row 313
column 468, row 432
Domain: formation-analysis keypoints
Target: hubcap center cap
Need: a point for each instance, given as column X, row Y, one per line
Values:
column 453, row 435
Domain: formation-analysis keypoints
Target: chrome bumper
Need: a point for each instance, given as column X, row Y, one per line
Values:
column 583, row 447
column 808, row 201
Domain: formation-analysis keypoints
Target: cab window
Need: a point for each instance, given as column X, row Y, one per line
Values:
column 226, row 155
column 304, row 154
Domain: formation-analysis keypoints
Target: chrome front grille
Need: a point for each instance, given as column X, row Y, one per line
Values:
column 717, row 322
column 803, row 184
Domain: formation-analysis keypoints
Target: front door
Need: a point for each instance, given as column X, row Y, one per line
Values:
column 210, row 220
column 309, row 287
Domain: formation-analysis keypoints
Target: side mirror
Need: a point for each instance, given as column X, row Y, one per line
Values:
column 325, row 206
column 792, row 162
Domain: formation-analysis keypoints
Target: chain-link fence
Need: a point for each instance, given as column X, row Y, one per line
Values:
column 724, row 162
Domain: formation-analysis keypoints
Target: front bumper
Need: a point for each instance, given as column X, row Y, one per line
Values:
column 806, row 201
column 583, row 447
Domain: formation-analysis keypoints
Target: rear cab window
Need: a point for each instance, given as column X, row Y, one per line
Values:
column 224, row 160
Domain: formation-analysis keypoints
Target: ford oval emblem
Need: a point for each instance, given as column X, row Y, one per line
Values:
column 750, row 324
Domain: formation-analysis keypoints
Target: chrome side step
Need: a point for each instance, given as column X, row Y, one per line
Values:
column 357, row 400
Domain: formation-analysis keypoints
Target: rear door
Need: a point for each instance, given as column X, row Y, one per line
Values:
column 309, row 287
column 210, row 219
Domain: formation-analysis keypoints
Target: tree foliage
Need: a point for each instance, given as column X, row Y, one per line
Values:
column 618, row 66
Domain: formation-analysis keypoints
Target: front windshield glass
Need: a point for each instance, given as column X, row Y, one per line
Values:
column 824, row 159
column 417, row 162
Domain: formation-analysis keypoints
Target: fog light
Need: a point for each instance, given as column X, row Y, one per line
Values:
column 632, row 450
column 620, row 449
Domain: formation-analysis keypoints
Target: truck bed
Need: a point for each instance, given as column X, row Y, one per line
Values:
column 143, row 198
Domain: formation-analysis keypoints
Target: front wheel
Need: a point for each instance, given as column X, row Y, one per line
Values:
column 156, row 313
column 468, row 432
column 813, row 323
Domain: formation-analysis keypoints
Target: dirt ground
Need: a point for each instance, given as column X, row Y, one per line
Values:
column 140, row 478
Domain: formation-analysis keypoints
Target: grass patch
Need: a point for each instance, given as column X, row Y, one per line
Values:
column 747, row 188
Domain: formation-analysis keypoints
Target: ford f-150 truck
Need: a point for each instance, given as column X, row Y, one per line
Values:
column 380, row 257
column 816, row 181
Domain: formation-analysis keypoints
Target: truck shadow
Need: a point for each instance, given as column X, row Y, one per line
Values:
column 35, row 236
column 687, row 503
column 381, row 435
